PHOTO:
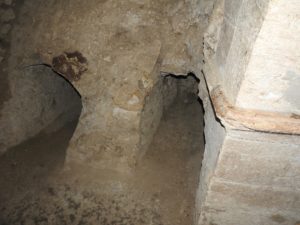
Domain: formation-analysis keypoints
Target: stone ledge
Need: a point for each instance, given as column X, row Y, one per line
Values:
column 247, row 119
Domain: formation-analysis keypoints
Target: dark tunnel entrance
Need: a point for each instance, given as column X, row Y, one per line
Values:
column 51, row 112
column 161, row 189
column 172, row 162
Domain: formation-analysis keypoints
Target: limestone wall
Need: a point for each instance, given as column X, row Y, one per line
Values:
column 228, row 42
column 214, row 137
column 273, row 73
column 255, row 181
column 7, row 12
column 127, row 44
column 250, row 169
column 248, row 172
column 37, row 96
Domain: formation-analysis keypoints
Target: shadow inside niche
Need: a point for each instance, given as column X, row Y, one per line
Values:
column 172, row 160
column 32, row 161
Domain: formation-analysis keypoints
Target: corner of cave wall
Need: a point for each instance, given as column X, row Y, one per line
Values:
column 214, row 134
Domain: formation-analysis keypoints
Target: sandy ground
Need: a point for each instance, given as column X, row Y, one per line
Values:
column 34, row 189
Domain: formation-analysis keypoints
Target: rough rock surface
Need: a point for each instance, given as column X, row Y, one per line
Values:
column 32, row 96
column 127, row 46
column 160, row 191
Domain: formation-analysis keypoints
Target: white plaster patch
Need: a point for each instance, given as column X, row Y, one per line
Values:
column 133, row 100
column 271, row 96
column 123, row 114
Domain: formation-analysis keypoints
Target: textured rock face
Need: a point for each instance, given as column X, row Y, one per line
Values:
column 45, row 102
column 31, row 97
column 126, row 47
column 6, row 22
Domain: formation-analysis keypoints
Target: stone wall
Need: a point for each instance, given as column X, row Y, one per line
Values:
column 249, row 169
column 229, row 39
column 214, row 134
column 37, row 96
column 127, row 48
column 7, row 12
column 273, row 73
column 255, row 181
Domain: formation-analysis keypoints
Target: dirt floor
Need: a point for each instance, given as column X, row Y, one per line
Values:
column 35, row 190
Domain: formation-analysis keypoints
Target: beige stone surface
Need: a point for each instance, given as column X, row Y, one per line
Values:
column 127, row 46
column 254, row 177
column 236, row 203
column 273, row 73
column 228, row 41
column 267, row 160
column 246, row 177
column 214, row 136
column 255, row 181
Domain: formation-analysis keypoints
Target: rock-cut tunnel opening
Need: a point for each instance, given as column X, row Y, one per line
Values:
column 161, row 190
column 51, row 114
column 170, row 91
column 173, row 145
